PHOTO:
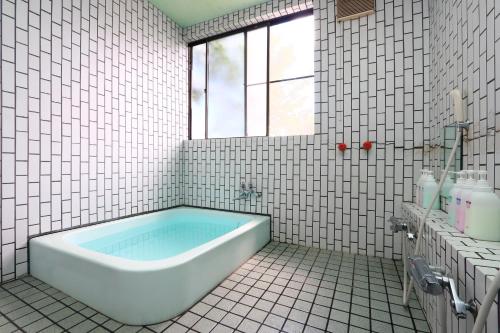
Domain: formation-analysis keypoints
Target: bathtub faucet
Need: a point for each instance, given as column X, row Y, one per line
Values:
column 246, row 192
column 243, row 192
column 253, row 191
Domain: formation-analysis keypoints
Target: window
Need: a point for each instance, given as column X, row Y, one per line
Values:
column 255, row 82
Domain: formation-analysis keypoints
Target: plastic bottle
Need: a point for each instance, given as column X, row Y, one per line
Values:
column 455, row 190
column 463, row 196
column 425, row 178
column 447, row 186
column 418, row 196
column 429, row 189
column 467, row 196
column 483, row 212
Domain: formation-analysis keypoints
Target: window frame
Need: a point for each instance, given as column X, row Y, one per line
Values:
column 267, row 24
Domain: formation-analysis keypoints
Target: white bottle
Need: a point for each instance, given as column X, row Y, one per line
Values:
column 467, row 195
column 425, row 178
column 462, row 197
column 445, row 189
column 483, row 220
column 418, row 189
column 455, row 190
column 429, row 189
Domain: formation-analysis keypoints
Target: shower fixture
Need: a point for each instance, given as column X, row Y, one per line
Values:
column 431, row 280
column 423, row 276
column 458, row 111
column 461, row 124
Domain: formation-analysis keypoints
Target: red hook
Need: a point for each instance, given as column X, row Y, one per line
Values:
column 367, row 145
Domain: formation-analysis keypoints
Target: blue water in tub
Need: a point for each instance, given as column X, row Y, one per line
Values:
column 162, row 235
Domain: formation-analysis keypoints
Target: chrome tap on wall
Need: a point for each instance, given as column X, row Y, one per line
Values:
column 247, row 191
column 253, row 191
column 433, row 281
column 243, row 193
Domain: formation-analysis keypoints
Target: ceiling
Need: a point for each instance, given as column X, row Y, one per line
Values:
column 189, row 12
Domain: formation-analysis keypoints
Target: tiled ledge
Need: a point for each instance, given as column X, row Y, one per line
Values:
column 471, row 263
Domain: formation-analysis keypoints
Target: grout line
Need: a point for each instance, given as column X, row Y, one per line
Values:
column 215, row 305
column 316, row 294
column 308, row 267
column 25, row 303
column 66, row 305
column 9, row 321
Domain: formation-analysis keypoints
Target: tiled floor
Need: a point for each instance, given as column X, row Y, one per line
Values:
column 282, row 288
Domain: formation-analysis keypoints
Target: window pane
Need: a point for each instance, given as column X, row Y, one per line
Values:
column 257, row 56
column 256, row 110
column 292, row 49
column 226, row 90
column 291, row 107
column 198, row 92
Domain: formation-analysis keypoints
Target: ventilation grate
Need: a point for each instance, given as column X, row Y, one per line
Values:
column 351, row 9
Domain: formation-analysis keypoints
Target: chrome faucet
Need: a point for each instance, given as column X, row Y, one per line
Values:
column 247, row 192
column 252, row 190
column 433, row 281
column 243, row 192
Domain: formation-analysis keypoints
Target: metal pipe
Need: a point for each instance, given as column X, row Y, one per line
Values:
column 441, row 305
column 488, row 300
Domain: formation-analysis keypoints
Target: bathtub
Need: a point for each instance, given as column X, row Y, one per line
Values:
column 148, row 268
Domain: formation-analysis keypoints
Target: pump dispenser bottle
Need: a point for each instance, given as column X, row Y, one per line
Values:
column 445, row 190
column 455, row 190
column 423, row 179
column 462, row 197
column 418, row 188
column 483, row 212
column 429, row 188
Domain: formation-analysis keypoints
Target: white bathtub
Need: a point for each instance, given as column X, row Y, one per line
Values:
column 143, row 291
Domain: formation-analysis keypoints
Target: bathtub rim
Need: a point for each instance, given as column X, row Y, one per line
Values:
column 55, row 240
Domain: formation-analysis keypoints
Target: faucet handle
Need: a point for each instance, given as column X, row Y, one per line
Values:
column 250, row 186
column 424, row 277
column 397, row 224
column 243, row 186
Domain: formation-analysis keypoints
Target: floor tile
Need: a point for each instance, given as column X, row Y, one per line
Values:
column 283, row 287
column 248, row 326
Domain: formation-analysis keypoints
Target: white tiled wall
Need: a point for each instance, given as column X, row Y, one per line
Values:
column 464, row 38
column 372, row 82
column 93, row 113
